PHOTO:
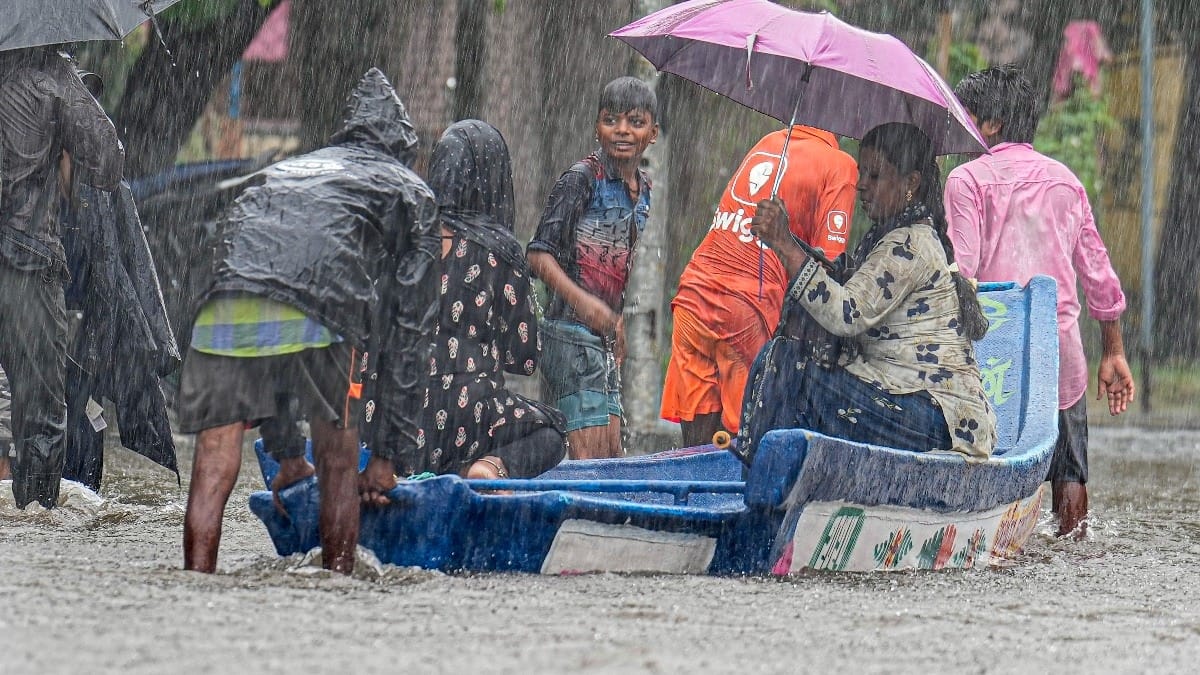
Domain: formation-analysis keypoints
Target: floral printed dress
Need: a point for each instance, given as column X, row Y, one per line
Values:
column 901, row 311
column 487, row 326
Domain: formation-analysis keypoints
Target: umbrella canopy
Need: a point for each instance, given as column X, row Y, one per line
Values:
column 30, row 23
column 802, row 67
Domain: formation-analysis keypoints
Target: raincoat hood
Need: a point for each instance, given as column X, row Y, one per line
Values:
column 375, row 118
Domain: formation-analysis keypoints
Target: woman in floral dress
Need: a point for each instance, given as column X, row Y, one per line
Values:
column 473, row 425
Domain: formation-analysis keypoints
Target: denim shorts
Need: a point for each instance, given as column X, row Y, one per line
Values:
column 579, row 375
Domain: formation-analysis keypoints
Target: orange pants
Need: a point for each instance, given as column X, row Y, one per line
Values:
column 707, row 373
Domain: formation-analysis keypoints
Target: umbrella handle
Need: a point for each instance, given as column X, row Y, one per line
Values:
column 775, row 191
column 779, row 169
column 808, row 68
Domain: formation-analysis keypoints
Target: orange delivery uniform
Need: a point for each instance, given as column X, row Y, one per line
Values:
column 721, row 320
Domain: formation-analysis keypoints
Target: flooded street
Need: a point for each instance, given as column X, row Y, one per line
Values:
column 97, row 588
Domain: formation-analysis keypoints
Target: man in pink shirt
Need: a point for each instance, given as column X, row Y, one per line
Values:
column 1016, row 213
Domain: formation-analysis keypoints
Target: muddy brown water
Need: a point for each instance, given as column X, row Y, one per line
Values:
column 96, row 587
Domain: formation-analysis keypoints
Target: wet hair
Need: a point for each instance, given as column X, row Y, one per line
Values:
column 1002, row 94
column 628, row 93
column 907, row 148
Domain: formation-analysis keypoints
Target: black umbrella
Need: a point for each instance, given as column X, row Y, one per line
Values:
column 30, row 23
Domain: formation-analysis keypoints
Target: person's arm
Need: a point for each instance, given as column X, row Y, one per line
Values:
column 1101, row 287
column 1106, row 303
column 1113, row 377
column 64, row 175
column 771, row 226
column 964, row 214
column 519, row 325
column 893, row 270
column 401, row 335
column 89, row 137
column 592, row 311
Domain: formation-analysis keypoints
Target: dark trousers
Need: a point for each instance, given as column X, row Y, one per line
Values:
column 788, row 390
column 528, row 453
column 33, row 347
column 1070, row 462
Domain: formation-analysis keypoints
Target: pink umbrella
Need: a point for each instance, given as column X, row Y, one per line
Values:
column 809, row 68
column 803, row 67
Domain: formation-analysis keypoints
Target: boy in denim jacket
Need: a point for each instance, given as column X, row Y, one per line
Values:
column 582, row 251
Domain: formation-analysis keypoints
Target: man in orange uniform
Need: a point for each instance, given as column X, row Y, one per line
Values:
column 723, row 313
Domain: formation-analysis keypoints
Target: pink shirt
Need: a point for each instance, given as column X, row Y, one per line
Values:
column 1016, row 213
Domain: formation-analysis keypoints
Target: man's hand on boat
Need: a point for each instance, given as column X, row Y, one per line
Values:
column 376, row 481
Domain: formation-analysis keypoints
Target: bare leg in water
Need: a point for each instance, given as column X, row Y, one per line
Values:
column 336, row 452
column 214, row 472
column 5, row 471
column 1070, row 504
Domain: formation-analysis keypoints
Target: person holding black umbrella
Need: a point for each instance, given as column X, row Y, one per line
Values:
column 50, row 128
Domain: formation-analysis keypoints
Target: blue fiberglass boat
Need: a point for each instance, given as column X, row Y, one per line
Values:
column 808, row 502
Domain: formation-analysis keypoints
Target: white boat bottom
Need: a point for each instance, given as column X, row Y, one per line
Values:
column 582, row 546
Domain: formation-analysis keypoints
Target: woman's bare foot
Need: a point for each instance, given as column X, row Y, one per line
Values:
column 489, row 467
column 292, row 470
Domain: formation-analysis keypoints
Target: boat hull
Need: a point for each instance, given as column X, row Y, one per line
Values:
column 843, row 537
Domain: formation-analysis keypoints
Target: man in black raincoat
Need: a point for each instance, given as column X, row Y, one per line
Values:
column 327, row 255
column 50, row 126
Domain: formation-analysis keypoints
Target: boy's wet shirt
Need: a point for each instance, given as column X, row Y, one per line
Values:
column 605, row 238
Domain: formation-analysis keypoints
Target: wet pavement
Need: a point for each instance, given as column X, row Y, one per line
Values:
column 96, row 587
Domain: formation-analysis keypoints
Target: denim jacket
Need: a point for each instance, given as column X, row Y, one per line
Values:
column 591, row 226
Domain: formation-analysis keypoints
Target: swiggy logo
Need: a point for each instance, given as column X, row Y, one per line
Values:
column 755, row 173
column 759, row 175
column 838, row 224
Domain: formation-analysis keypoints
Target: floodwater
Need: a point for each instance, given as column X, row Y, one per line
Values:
column 96, row 587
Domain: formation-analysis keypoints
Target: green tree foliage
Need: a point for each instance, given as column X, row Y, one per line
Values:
column 1071, row 132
